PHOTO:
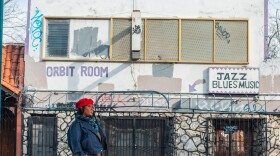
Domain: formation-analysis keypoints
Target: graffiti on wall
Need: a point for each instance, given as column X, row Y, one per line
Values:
column 36, row 30
column 136, row 29
column 109, row 102
column 227, row 106
column 106, row 102
column 255, row 108
column 155, row 102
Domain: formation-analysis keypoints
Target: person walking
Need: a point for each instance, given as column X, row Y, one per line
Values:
column 85, row 136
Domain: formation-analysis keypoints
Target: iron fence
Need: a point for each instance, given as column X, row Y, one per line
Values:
column 152, row 100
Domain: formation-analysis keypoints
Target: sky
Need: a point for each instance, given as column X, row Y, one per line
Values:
column 273, row 5
column 23, row 4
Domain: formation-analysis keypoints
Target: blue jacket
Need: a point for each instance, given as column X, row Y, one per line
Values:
column 83, row 140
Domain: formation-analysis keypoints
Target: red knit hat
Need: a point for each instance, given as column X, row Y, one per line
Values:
column 84, row 102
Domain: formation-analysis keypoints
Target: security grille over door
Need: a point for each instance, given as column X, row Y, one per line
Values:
column 42, row 140
column 136, row 137
column 236, row 137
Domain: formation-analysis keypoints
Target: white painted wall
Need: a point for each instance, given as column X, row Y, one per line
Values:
column 124, row 75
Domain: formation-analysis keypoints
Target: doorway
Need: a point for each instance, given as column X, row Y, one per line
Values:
column 136, row 136
column 236, row 137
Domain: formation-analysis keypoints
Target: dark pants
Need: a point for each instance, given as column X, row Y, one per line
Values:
column 98, row 154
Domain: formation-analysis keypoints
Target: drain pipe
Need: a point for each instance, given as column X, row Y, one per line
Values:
column 1, row 38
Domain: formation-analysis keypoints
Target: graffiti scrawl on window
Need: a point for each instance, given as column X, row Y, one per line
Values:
column 222, row 32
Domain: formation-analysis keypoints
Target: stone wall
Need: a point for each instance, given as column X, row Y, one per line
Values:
column 64, row 119
column 273, row 128
column 189, row 132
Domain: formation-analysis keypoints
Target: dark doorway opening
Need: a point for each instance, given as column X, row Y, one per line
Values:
column 8, row 131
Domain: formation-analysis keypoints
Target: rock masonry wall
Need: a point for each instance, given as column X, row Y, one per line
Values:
column 189, row 133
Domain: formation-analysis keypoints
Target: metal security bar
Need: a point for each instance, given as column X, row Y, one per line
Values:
column 129, row 136
column 236, row 136
column 42, row 137
column 152, row 100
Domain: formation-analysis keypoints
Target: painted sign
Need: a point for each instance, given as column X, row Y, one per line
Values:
column 234, row 80
column 68, row 71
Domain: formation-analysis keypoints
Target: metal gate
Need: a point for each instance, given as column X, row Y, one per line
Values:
column 236, row 137
column 8, row 131
column 136, row 136
column 42, row 137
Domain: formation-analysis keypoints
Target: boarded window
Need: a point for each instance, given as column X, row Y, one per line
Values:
column 231, row 41
column 57, row 38
column 78, row 38
column 162, row 40
column 121, row 41
column 197, row 40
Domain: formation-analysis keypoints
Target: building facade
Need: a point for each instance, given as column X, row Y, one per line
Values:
column 192, row 75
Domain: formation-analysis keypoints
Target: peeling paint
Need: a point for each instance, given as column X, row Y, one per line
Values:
column 161, row 84
column 270, row 67
column 36, row 76
column 163, row 70
column 103, row 87
column 270, row 84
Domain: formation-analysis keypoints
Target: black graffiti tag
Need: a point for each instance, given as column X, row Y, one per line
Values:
column 136, row 29
column 222, row 33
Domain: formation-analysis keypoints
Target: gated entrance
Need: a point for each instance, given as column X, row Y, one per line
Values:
column 8, row 132
column 136, row 136
column 236, row 137
column 42, row 140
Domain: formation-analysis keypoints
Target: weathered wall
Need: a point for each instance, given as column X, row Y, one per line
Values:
column 187, row 130
column 270, row 76
column 134, row 76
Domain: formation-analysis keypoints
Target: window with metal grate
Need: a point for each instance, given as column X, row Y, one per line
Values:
column 162, row 40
